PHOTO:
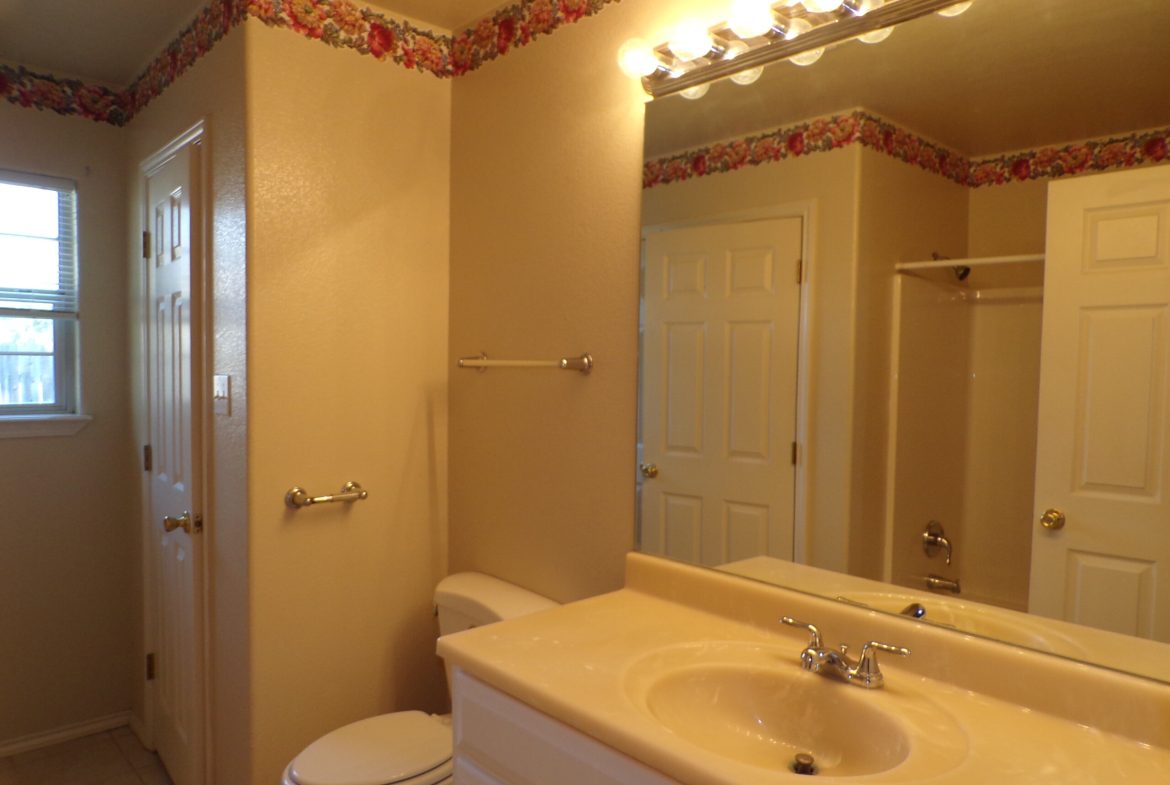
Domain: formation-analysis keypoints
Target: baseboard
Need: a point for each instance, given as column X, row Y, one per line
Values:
column 139, row 729
column 35, row 741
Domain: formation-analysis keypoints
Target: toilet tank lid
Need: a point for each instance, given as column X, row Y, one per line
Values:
column 487, row 599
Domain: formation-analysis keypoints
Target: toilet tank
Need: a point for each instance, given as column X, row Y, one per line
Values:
column 472, row 599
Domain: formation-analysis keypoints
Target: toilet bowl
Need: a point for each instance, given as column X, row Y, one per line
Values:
column 404, row 748
column 411, row 747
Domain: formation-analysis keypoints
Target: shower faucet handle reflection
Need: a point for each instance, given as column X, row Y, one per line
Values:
column 933, row 538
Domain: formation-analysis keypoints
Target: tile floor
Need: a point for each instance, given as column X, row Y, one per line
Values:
column 111, row 758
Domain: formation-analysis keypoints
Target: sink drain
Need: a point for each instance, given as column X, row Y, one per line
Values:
column 804, row 763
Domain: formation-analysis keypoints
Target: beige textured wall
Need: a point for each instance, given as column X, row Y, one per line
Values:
column 1008, row 219
column 67, row 522
column 905, row 214
column 546, row 162
column 827, row 183
column 348, row 173
column 212, row 90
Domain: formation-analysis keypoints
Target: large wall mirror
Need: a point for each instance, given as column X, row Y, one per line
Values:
column 906, row 326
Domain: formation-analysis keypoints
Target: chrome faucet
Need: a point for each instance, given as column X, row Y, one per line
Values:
column 864, row 671
column 945, row 584
column 914, row 610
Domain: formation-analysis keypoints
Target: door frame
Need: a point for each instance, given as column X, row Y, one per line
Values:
column 806, row 211
column 196, row 136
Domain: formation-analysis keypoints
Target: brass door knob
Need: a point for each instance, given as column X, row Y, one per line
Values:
column 1052, row 519
column 649, row 470
column 182, row 522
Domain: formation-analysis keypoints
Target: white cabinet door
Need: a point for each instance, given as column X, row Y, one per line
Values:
column 718, row 398
column 501, row 741
column 1103, row 456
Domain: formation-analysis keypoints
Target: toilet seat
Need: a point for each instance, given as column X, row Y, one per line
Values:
column 404, row 748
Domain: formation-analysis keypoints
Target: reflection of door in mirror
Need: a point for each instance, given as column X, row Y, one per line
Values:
column 721, row 321
column 1104, row 437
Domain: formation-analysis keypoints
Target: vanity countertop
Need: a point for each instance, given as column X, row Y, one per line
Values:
column 1007, row 715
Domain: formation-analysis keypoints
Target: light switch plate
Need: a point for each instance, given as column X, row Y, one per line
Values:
column 221, row 394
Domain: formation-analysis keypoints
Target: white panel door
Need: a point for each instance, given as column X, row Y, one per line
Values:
column 719, row 362
column 1103, row 457
column 173, row 365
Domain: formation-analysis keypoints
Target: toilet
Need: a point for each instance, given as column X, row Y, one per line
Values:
column 411, row 747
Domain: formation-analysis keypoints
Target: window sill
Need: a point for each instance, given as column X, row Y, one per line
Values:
column 38, row 425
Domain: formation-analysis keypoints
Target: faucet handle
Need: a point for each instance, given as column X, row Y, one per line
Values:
column 814, row 641
column 867, row 663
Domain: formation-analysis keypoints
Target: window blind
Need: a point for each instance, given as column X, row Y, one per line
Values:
column 57, row 300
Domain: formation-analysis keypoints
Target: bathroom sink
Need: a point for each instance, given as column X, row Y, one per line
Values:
column 754, row 704
column 766, row 717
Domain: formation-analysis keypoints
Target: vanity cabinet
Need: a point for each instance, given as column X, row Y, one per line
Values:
column 501, row 741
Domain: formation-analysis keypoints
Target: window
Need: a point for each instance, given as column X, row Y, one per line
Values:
column 38, row 295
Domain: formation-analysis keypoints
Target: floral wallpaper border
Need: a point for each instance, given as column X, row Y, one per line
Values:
column 859, row 127
column 340, row 23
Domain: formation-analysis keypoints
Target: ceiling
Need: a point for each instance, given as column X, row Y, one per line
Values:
column 112, row 41
column 1007, row 75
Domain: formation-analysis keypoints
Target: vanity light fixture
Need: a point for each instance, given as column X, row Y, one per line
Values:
column 691, row 40
column 735, row 49
column 637, row 59
column 761, row 32
column 751, row 18
column 807, row 58
column 876, row 37
column 955, row 9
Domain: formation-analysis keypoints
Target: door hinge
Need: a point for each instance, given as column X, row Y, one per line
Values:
column 146, row 245
column 799, row 271
column 147, row 458
column 150, row 666
column 795, row 453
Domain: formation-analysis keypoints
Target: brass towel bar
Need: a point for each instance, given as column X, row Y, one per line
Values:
column 297, row 497
column 584, row 363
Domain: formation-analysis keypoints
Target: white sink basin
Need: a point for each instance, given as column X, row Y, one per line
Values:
column 753, row 704
column 766, row 717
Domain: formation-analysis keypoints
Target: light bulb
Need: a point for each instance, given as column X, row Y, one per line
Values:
column 735, row 49
column 865, row 6
column 748, row 76
column 751, row 18
column 822, row 6
column 875, row 36
column 796, row 27
column 690, row 41
column 696, row 92
column 636, row 58
column 956, row 9
column 809, row 57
